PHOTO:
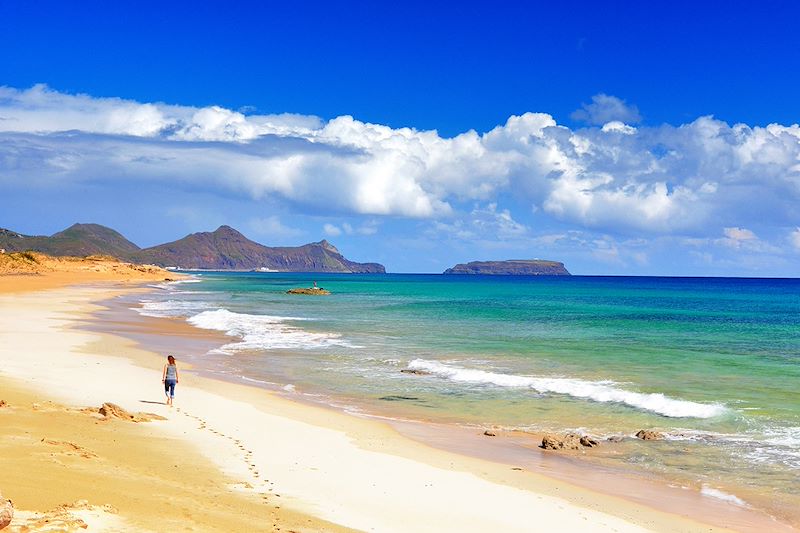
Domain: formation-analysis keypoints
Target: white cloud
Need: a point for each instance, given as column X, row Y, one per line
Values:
column 690, row 179
column 497, row 224
column 743, row 239
column 368, row 227
column 606, row 108
column 484, row 223
column 331, row 230
column 739, row 234
column 794, row 238
column 273, row 228
column 615, row 126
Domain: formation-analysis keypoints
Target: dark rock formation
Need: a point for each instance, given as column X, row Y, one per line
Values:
column 514, row 267
column 647, row 434
column 490, row 433
column 415, row 371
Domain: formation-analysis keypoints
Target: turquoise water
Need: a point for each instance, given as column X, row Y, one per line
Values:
column 713, row 363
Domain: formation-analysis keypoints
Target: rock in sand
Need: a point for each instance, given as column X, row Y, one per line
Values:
column 6, row 512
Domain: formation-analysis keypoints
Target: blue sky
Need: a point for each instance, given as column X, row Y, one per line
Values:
column 624, row 138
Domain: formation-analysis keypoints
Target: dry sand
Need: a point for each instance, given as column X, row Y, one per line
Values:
column 234, row 458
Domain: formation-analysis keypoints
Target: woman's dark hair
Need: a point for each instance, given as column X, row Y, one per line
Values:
column 170, row 359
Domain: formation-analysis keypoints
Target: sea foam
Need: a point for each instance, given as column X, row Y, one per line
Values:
column 170, row 308
column 598, row 391
column 263, row 332
column 721, row 495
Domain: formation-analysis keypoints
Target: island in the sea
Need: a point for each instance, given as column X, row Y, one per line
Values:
column 512, row 267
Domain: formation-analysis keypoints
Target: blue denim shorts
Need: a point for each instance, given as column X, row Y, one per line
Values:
column 169, row 387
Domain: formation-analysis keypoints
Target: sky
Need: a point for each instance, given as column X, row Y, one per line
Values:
column 622, row 138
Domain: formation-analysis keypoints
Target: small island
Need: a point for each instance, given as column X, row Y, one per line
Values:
column 512, row 267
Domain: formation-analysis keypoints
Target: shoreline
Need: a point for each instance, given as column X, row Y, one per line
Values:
column 352, row 471
column 515, row 450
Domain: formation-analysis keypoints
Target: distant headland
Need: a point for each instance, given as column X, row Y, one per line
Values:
column 222, row 249
column 512, row 267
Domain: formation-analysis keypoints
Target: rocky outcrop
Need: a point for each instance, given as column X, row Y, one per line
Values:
column 570, row 441
column 415, row 372
column 313, row 291
column 647, row 434
column 112, row 410
column 514, row 267
column 6, row 512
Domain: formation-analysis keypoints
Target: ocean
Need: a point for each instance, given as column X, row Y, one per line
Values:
column 713, row 363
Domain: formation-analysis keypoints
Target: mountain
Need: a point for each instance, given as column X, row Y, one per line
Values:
column 223, row 249
column 513, row 267
column 227, row 249
column 78, row 240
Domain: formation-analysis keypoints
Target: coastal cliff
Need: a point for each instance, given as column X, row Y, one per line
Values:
column 513, row 267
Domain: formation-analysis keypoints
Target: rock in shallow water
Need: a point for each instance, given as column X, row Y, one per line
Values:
column 648, row 434
column 570, row 441
column 314, row 291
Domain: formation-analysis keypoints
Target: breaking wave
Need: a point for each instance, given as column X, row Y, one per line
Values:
column 597, row 391
column 263, row 332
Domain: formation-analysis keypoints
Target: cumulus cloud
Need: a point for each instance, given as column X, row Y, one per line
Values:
column 605, row 108
column 692, row 179
column 618, row 127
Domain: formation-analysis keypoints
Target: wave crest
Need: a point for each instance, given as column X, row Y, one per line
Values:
column 598, row 391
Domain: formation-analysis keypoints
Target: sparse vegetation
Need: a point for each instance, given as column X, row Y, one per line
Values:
column 26, row 256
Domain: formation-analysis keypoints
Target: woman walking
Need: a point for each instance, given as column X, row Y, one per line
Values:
column 170, row 378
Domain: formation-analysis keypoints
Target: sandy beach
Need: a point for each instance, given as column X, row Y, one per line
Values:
column 229, row 457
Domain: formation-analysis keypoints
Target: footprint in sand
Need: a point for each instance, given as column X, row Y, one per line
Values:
column 70, row 448
column 248, row 455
